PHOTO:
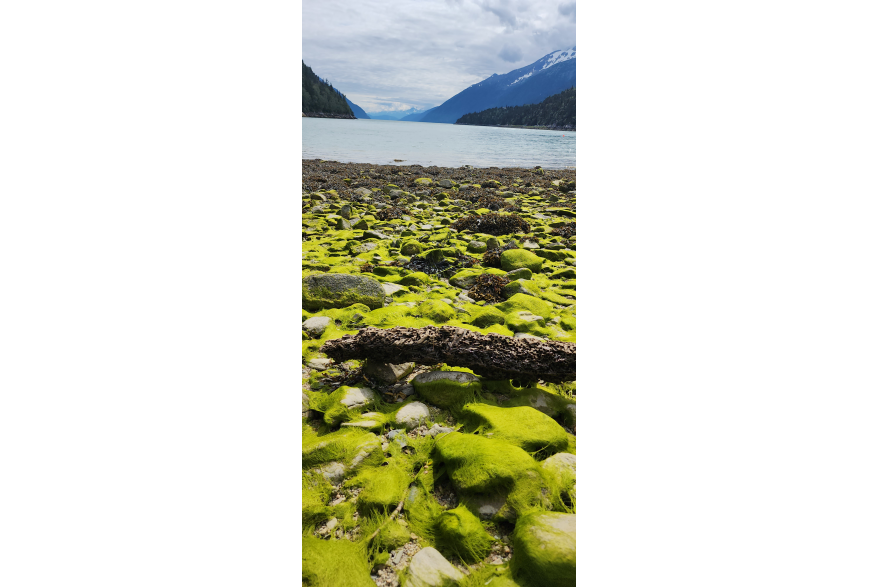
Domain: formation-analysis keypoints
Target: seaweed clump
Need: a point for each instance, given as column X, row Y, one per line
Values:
column 566, row 231
column 495, row 224
column 491, row 257
column 429, row 266
column 392, row 213
column 488, row 287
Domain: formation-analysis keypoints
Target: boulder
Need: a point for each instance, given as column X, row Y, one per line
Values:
column 339, row 290
column 446, row 388
column 522, row 426
column 429, row 568
column 387, row 373
column 459, row 533
column 345, row 211
column 545, row 549
column 518, row 258
column 522, row 273
column 316, row 326
column 412, row 415
column 476, row 247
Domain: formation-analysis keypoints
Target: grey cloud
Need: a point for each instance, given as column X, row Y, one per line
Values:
column 505, row 15
column 510, row 54
column 568, row 8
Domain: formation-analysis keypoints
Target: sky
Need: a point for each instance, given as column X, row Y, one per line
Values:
column 395, row 55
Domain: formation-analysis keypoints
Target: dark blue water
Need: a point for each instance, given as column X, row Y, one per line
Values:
column 384, row 142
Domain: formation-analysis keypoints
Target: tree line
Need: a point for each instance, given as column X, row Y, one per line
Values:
column 320, row 96
column 557, row 111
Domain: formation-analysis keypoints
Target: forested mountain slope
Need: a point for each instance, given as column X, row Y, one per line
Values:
column 320, row 98
column 556, row 112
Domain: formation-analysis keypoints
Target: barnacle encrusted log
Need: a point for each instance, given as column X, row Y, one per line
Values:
column 493, row 356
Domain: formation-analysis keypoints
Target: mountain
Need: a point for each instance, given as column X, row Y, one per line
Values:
column 319, row 98
column 527, row 85
column 418, row 116
column 395, row 114
column 556, row 112
column 357, row 111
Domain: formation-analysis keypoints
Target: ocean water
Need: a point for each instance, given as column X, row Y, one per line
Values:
column 385, row 142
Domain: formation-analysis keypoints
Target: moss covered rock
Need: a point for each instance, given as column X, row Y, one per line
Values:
column 459, row 533
column 339, row 290
column 518, row 258
column 519, row 302
column 346, row 401
column 348, row 447
column 321, row 559
column 446, row 389
column 522, row 426
column 382, row 489
column 436, row 310
column 416, row 278
column 488, row 316
column 545, row 549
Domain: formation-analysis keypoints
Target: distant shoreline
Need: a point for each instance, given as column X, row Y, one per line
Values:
column 323, row 115
column 520, row 126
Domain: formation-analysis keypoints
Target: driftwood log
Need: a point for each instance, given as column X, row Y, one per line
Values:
column 492, row 356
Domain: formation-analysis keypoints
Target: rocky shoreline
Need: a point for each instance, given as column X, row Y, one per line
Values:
column 428, row 475
column 324, row 115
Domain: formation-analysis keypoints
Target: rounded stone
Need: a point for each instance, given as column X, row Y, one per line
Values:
column 339, row 290
column 412, row 415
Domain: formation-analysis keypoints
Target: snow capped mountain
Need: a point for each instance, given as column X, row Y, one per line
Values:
column 548, row 61
column 527, row 85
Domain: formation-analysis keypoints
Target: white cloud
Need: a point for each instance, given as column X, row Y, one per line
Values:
column 419, row 53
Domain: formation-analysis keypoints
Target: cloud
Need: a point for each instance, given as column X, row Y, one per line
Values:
column 510, row 54
column 505, row 15
column 422, row 52
column 568, row 8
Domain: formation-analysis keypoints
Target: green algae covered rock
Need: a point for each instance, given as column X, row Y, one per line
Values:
column 339, row 290
column 345, row 402
column 416, row 278
column 527, row 323
column 446, row 389
column 545, row 549
column 520, row 302
column 494, row 478
column 520, row 286
column 382, row 488
column 458, row 532
column 523, row 426
column 423, row 181
column 321, row 559
column 392, row 536
column 410, row 248
column 346, row 446
column 488, row 316
column 522, row 273
column 518, row 258
column 436, row 311
column 546, row 402
column 476, row 247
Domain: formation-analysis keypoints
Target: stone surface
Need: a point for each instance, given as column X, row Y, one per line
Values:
column 412, row 415
column 320, row 364
column 339, row 290
column 387, row 373
column 316, row 326
column 391, row 288
column 518, row 258
column 305, row 405
column 357, row 397
column 333, row 472
column 545, row 548
column 446, row 388
column 429, row 568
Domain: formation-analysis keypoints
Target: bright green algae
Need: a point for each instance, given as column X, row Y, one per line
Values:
column 323, row 559
column 523, row 427
column 386, row 477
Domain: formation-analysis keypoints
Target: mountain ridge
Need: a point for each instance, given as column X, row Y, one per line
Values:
column 530, row 84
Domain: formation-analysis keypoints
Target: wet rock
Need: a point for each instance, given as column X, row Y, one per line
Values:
column 339, row 290
column 545, row 548
column 316, row 326
column 387, row 373
column 412, row 415
column 320, row 364
column 429, row 568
